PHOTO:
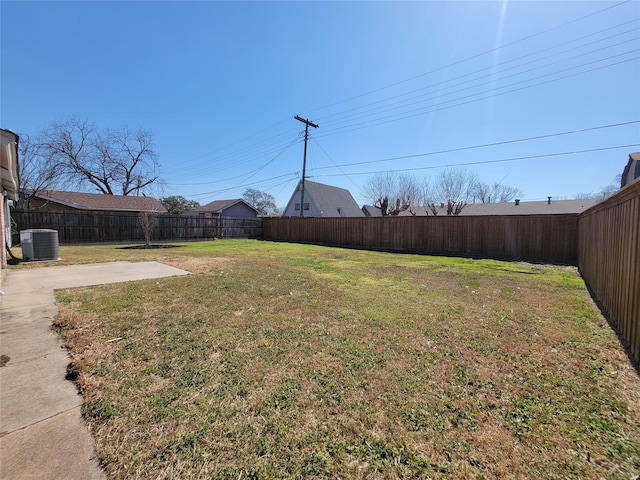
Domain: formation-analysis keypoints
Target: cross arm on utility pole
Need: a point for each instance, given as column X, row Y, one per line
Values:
column 306, row 121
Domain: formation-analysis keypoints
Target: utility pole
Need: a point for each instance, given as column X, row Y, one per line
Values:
column 306, row 122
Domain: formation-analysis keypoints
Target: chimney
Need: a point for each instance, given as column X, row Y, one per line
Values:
column 548, row 200
column 517, row 202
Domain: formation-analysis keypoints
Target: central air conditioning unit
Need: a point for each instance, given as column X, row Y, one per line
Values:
column 39, row 244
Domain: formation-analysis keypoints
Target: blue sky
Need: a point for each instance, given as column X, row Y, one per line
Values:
column 218, row 85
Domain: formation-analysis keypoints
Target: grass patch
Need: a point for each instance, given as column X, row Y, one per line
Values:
column 289, row 361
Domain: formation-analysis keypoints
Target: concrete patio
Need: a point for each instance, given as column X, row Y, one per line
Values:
column 42, row 433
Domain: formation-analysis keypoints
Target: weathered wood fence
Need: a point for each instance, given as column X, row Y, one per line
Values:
column 93, row 226
column 609, row 260
column 548, row 238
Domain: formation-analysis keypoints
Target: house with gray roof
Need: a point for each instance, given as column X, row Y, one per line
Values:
column 55, row 200
column 322, row 200
column 236, row 208
column 516, row 207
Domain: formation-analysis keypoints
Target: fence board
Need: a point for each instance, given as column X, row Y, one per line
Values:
column 94, row 226
column 609, row 260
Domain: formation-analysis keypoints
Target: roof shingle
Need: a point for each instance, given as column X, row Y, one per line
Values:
column 98, row 201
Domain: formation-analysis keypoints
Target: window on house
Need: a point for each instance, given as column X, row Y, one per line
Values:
column 306, row 206
column 297, row 207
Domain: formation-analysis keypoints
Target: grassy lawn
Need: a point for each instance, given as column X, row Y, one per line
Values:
column 292, row 361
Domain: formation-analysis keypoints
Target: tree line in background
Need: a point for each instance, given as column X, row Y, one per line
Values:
column 447, row 193
column 452, row 189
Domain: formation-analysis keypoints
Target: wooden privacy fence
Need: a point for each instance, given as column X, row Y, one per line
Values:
column 549, row 238
column 609, row 260
column 93, row 226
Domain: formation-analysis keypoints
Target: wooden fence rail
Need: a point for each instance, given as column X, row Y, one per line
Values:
column 549, row 238
column 609, row 260
column 92, row 226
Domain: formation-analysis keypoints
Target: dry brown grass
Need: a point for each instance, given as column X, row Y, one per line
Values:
column 289, row 361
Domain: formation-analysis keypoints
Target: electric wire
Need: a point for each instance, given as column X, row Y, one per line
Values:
column 478, row 55
column 256, row 150
column 234, row 158
column 442, row 85
column 487, row 162
column 485, row 145
column 314, row 141
column 488, row 94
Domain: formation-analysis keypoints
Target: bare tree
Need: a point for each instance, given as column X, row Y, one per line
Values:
column 494, row 193
column 393, row 192
column 409, row 193
column 117, row 162
column 378, row 189
column 148, row 222
column 453, row 188
column 604, row 192
column 429, row 198
column 36, row 173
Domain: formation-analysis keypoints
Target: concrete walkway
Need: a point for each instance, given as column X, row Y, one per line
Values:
column 42, row 434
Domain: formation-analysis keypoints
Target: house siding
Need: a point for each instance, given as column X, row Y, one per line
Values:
column 313, row 211
column 48, row 205
column 324, row 201
column 239, row 210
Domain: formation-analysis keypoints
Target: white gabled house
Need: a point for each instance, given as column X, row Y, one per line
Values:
column 322, row 200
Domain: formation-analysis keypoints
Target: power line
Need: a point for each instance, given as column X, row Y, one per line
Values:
column 291, row 175
column 485, row 145
column 486, row 162
column 279, row 180
column 253, row 172
column 440, row 86
column 255, row 150
column 241, row 157
column 491, row 76
column 334, row 163
column 443, row 105
column 472, row 57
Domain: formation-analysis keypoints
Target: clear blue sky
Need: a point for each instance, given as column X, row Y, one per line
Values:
column 218, row 85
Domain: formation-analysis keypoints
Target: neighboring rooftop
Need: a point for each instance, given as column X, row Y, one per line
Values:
column 98, row 201
column 371, row 211
column 218, row 206
column 548, row 206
